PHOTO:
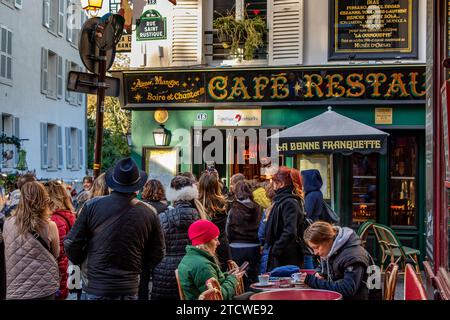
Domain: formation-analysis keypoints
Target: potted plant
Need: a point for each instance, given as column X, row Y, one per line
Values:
column 243, row 37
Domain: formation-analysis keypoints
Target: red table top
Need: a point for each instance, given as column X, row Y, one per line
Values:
column 294, row 294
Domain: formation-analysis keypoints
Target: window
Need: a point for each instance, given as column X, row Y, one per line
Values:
column 403, row 183
column 51, row 147
column 53, row 16
column 364, row 187
column 52, row 80
column 9, row 3
column 74, row 148
column 18, row 4
column 5, row 54
column 76, row 17
column 72, row 97
column 251, row 9
column 8, row 153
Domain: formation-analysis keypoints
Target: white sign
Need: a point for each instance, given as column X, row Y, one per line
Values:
column 202, row 116
column 237, row 118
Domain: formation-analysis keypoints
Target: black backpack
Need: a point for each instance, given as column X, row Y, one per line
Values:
column 328, row 215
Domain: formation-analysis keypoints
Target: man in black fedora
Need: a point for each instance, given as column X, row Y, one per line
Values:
column 118, row 234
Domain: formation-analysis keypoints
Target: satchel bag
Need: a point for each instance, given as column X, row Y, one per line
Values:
column 328, row 214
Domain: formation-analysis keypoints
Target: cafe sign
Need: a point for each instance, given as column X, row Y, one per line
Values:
column 151, row 26
column 272, row 86
column 373, row 29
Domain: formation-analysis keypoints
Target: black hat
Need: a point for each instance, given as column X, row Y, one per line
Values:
column 125, row 177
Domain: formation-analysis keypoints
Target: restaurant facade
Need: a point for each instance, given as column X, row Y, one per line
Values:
column 388, row 188
column 208, row 100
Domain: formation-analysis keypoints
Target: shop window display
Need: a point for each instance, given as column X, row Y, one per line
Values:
column 403, row 180
column 364, row 187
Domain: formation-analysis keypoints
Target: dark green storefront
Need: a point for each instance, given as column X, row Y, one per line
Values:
column 387, row 188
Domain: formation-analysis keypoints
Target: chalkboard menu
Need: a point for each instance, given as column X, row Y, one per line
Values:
column 373, row 29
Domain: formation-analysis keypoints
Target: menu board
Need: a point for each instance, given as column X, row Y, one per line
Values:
column 161, row 164
column 373, row 29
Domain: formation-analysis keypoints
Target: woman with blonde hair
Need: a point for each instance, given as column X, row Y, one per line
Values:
column 64, row 217
column 285, row 225
column 344, row 261
column 31, row 239
column 215, row 204
column 99, row 187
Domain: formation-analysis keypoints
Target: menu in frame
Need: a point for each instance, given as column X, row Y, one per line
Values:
column 373, row 29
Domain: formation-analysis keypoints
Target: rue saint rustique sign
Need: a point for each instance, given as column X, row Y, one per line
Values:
column 151, row 26
column 266, row 86
column 373, row 29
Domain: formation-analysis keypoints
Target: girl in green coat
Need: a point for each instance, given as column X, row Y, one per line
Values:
column 200, row 263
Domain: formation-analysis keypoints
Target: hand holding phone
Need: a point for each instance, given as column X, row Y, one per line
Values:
column 244, row 266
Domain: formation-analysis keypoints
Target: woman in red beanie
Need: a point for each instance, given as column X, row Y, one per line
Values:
column 200, row 263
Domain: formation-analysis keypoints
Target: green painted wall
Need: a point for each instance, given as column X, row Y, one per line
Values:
column 143, row 122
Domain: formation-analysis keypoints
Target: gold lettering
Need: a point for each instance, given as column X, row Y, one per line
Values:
column 279, row 88
column 353, row 80
column 413, row 85
column 219, row 84
column 260, row 84
column 333, row 84
column 376, row 79
column 310, row 85
column 397, row 85
column 239, row 89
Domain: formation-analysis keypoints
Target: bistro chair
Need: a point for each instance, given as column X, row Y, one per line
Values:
column 363, row 231
column 240, row 286
column 390, row 281
column 212, row 283
column 392, row 248
column 414, row 289
column 180, row 290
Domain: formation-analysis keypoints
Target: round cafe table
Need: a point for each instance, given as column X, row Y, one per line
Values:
column 295, row 294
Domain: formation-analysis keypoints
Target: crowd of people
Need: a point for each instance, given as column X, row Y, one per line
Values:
column 129, row 235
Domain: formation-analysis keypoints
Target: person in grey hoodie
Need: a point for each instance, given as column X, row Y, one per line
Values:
column 344, row 261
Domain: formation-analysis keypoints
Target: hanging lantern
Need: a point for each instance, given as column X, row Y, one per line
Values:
column 91, row 5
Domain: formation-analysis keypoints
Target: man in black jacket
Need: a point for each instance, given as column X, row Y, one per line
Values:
column 119, row 236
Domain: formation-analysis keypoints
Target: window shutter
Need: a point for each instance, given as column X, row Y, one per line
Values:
column 285, row 22
column 80, row 149
column 68, row 148
column 59, row 78
column 61, row 14
column 18, row 4
column 60, row 148
column 68, row 93
column 9, row 55
column 187, row 33
column 44, row 146
column 70, row 21
column 16, row 130
column 1, row 131
column 44, row 70
column 46, row 13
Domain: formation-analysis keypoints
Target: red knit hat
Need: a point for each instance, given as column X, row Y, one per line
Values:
column 202, row 231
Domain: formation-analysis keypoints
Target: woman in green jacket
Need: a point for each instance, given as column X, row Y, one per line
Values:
column 200, row 263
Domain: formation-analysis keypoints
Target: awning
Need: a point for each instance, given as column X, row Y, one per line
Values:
column 331, row 132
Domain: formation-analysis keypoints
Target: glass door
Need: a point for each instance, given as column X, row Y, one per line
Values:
column 364, row 184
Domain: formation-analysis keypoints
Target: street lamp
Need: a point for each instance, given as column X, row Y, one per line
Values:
column 129, row 141
column 161, row 136
column 91, row 5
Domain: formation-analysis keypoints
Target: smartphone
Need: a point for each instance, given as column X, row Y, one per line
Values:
column 244, row 266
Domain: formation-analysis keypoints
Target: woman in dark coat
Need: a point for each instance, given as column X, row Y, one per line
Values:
column 155, row 195
column 285, row 226
column 212, row 199
column 344, row 261
column 242, row 230
column 175, row 223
